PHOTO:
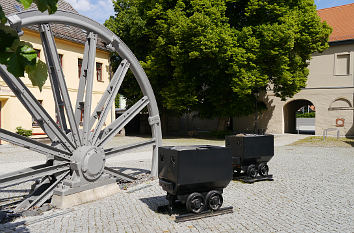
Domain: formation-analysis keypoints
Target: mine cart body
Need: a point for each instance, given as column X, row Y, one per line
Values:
column 250, row 150
column 184, row 170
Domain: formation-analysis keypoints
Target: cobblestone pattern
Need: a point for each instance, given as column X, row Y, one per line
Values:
column 313, row 191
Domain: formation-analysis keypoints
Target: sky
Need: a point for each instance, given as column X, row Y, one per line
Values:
column 101, row 10
column 331, row 3
column 97, row 10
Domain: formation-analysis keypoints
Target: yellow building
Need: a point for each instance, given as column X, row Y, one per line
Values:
column 70, row 46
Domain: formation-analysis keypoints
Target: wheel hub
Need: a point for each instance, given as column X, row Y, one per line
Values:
column 89, row 161
column 197, row 203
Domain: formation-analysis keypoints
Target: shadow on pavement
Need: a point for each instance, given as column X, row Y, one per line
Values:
column 159, row 204
column 131, row 171
column 14, row 227
column 350, row 141
column 154, row 202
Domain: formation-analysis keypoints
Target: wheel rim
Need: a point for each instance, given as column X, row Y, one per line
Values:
column 251, row 171
column 263, row 170
column 195, row 203
column 214, row 200
column 79, row 146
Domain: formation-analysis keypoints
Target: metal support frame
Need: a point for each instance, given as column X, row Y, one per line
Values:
column 62, row 99
column 112, row 152
column 89, row 84
column 52, row 60
column 77, row 158
column 31, row 174
column 33, row 145
column 107, row 100
column 117, row 125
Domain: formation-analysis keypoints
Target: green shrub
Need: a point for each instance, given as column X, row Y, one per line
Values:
column 23, row 132
column 306, row 115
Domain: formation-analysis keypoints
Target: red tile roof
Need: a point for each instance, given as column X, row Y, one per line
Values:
column 341, row 19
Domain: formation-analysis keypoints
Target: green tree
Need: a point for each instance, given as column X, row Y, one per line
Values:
column 213, row 56
column 19, row 56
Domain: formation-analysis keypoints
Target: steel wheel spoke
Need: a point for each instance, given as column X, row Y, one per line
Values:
column 110, row 95
column 112, row 129
column 34, row 168
column 119, row 150
column 81, row 91
column 76, row 159
column 118, row 174
column 57, row 76
column 35, row 109
column 89, row 84
column 107, row 92
column 32, row 144
column 52, row 61
column 43, row 197
column 31, row 173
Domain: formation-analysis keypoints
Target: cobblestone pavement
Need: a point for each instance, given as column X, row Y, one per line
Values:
column 312, row 191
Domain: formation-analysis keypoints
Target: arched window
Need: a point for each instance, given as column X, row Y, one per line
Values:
column 340, row 103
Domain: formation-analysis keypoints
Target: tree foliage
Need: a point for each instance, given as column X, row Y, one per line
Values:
column 19, row 56
column 213, row 56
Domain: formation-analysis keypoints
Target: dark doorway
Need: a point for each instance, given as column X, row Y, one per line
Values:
column 133, row 127
column 138, row 126
column 299, row 117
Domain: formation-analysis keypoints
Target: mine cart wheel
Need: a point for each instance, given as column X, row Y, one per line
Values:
column 80, row 139
column 252, row 171
column 263, row 169
column 214, row 200
column 195, row 203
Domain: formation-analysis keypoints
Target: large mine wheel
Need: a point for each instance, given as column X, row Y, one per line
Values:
column 76, row 157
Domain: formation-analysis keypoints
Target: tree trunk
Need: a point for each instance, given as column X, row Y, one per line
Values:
column 222, row 123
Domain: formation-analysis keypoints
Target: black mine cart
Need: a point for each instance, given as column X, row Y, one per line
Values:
column 250, row 154
column 195, row 175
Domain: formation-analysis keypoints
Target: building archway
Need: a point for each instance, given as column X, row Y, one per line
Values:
column 294, row 125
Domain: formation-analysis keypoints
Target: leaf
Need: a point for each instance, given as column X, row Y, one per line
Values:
column 7, row 37
column 38, row 74
column 3, row 18
column 28, row 53
column 15, row 65
column 24, row 56
column 25, row 3
column 50, row 5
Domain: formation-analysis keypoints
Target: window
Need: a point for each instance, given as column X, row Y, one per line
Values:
column 342, row 64
column 99, row 71
column 38, row 53
column 34, row 122
column 82, row 104
column 61, row 59
column 79, row 66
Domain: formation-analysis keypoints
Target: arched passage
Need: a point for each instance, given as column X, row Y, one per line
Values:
column 290, row 123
